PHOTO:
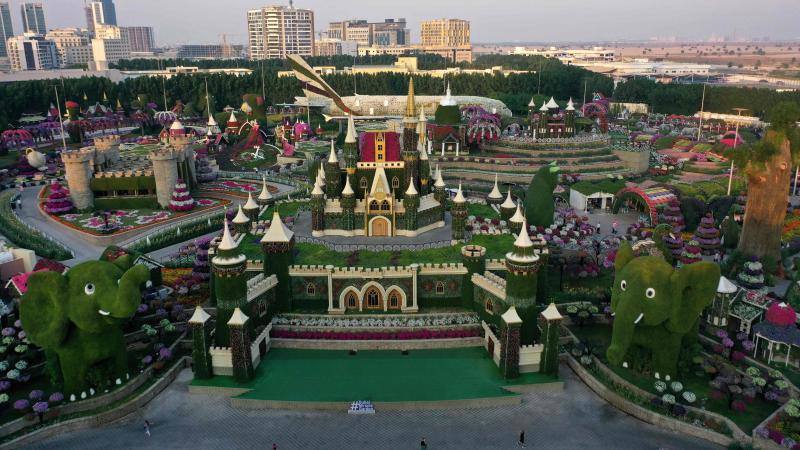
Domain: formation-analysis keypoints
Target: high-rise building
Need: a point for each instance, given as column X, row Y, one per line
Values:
column 100, row 12
column 6, row 30
column 327, row 47
column 279, row 31
column 109, row 45
column 449, row 38
column 388, row 32
column 33, row 18
column 73, row 44
column 210, row 51
column 32, row 51
column 140, row 38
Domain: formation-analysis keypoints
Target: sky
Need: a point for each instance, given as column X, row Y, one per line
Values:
column 202, row 21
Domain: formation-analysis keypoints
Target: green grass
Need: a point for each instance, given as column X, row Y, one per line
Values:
column 598, row 336
column 482, row 210
column 9, row 159
column 286, row 209
column 376, row 375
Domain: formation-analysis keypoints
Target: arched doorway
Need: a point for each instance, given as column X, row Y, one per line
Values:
column 373, row 299
column 351, row 300
column 379, row 226
column 394, row 299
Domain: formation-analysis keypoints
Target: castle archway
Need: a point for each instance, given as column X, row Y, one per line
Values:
column 379, row 226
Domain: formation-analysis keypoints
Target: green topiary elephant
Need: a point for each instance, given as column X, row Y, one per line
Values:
column 657, row 307
column 539, row 207
column 78, row 316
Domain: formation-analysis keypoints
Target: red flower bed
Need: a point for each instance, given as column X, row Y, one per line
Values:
column 375, row 335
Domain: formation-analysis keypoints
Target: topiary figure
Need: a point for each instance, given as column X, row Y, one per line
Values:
column 78, row 316
column 657, row 307
column 730, row 233
column 539, row 207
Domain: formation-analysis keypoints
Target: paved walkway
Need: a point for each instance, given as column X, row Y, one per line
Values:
column 573, row 419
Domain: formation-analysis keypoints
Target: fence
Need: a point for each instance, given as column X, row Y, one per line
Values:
column 373, row 247
column 153, row 234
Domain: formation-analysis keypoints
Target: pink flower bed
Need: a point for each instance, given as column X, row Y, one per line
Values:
column 375, row 335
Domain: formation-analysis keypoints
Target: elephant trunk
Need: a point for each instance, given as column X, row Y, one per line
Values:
column 129, row 292
column 622, row 335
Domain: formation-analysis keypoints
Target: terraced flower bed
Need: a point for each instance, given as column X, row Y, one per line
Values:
column 237, row 187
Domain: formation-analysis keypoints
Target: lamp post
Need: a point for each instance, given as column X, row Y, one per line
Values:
column 702, row 106
column 735, row 141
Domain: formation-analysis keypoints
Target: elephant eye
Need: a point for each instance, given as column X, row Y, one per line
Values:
column 89, row 289
column 623, row 285
column 650, row 293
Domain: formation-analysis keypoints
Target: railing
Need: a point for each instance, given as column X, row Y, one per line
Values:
column 208, row 216
column 371, row 246
column 36, row 231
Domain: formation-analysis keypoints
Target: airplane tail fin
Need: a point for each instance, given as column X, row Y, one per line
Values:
column 314, row 84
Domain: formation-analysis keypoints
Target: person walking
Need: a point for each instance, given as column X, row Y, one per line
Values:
column 614, row 227
column 597, row 228
column 423, row 444
column 521, row 441
column 147, row 428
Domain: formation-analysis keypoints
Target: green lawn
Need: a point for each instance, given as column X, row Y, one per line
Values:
column 377, row 375
column 482, row 210
column 599, row 338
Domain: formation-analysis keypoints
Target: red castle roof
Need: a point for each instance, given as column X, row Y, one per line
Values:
column 367, row 146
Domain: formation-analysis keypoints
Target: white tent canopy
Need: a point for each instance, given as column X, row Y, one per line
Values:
column 580, row 201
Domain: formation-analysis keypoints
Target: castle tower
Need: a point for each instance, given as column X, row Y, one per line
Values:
column 474, row 259
column 532, row 114
column 424, row 168
column 439, row 191
column 241, row 223
column 523, row 264
column 332, row 174
column 278, row 247
column 409, row 154
column 251, row 208
column 569, row 119
column 165, row 173
column 241, row 341
column 78, row 172
column 264, row 198
column 351, row 155
column 422, row 129
column 542, row 127
column 515, row 222
column 317, row 211
column 348, row 203
column 508, row 207
column 411, row 205
column 494, row 197
column 230, row 284
column 459, row 212
column 200, row 325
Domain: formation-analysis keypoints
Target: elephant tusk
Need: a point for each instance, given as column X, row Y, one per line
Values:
column 638, row 318
column 103, row 313
column 613, row 314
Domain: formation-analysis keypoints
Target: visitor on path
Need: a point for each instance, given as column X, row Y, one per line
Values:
column 598, row 228
column 147, row 428
column 423, row 445
column 614, row 227
column 521, row 441
column 274, row 446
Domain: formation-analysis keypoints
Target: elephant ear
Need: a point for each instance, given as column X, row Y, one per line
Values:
column 624, row 255
column 43, row 309
column 124, row 262
column 693, row 289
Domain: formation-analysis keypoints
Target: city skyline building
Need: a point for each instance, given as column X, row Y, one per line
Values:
column 449, row 38
column 6, row 28
column 33, row 18
column 73, row 44
column 364, row 33
column 278, row 31
column 210, row 51
column 32, row 51
column 140, row 38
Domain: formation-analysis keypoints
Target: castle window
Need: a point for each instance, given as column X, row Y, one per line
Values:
column 373, row 205
column 363, row 183
column 489, row 306
column 385, row 205
column 395, row 183
column 262, row 307
column 351, row 301
column 311, row 289
column 373, row 298
column 439, row 287
column 380, row 157
column 394, row 300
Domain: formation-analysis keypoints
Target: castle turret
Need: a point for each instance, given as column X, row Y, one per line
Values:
column 411, row 205
column 278, row 247
column 78, row 172
column 264, row 198
column 439, row 192
column 351, row 149
column 532, row 114
column 317, row 210
column 494, row 197
column 459, row 213
column 230, row 284
column 251, row 208
column 424, row 168
column 542, row 126
column 522, row 264
column 569, row 119
column 165, row 173
column 348, row 203
column 241, row 223
column 410, row 155
column 474, row 259
column 332, row 174
column 508, row 207
column 515, row 222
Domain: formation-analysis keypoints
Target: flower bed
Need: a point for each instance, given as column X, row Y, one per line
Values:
column 784, row 427
column 376, row 335
column 377, row 322
column 237, row 187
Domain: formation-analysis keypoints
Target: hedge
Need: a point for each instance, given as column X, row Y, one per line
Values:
column 170, row 236
column 123, row 183
column 148, row 202
column 25, row 237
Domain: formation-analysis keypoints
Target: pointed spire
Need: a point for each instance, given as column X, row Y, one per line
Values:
column 411, row 107
column 412, row 190
column 439, row 181
column 495, row 194
column 459, row 198
column 321, row 174
column 332, row 158
column 278, row 231
column 238, row 318
column 508, row 203
column 317, row 189
column 422, row 117
column 241, row 217
column 351, row 137
column 250, row 204
column 423, row 152
column 227, row 242
column 523, row 240
column 200, row 316
column 570, row 105
column 544, row 106
column 532, row 103
column 348, row 190
column 518, row 216
column 551, row 104
column 264, row 195
column 447, row 100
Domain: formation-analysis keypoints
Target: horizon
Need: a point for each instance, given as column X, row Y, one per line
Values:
column 587, row 22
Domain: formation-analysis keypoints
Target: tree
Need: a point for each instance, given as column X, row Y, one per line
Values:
column 768, row 167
